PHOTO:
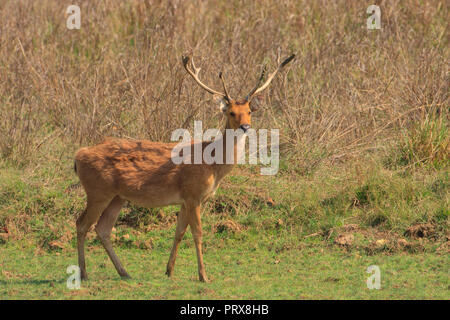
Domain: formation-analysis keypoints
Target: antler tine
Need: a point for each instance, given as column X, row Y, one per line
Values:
column 263, row 73
column 270, row 78
column 227, row 96
column 194, row 74
column 196, row 70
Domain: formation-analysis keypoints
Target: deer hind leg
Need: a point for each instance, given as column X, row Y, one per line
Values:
column 182, row 224
column 90, row 216
column 195, row 223
column 104, row 228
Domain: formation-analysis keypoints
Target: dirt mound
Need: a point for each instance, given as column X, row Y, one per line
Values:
column 225, row 205
column 344, row 239
column 373, row 241
column 422, row 230
column 227, row 226
column 350, row 227
column 389, row 246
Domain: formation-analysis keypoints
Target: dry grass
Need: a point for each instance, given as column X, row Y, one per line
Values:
column 363, row 116
column 351, row 90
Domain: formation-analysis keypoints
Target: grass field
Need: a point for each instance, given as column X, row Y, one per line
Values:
column 276, row 238
column 237, row 273
column 364, row 146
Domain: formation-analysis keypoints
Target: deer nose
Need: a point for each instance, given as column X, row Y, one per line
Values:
column 245, row 127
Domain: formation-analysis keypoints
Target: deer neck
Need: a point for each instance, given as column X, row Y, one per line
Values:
column 228, row 147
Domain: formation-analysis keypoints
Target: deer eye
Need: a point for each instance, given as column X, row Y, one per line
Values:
column 232, row 114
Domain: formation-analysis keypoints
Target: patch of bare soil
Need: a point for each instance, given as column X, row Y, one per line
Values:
column 270, row 202
column 393, row 245
column 374, row 241
column 225, row 205
column 350, row 227
column 4, row 234
column 345, row 239
column 227, row 226
column 421, row 230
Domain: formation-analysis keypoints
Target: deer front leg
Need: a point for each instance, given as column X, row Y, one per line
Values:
column 182, row 224
column 196, row 229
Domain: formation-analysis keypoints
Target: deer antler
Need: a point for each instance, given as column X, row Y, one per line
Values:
column 257, row 84
column 194, row 73
column 258, row 89
column 227, row 96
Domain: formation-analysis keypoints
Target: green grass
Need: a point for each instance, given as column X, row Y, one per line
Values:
column 285, row 247
column 313, row 272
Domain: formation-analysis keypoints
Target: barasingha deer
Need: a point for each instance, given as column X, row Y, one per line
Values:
column 142, row 172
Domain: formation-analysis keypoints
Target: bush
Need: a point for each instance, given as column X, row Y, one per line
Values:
column 425, row 143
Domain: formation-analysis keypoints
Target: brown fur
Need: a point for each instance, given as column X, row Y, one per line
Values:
column 142, row 172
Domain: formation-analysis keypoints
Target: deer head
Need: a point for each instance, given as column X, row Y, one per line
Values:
column 239, row 111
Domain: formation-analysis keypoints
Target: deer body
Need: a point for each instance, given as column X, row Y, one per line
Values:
column 142, row 172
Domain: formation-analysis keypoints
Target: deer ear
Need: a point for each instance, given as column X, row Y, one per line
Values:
column 255, row 103
column 223, row 105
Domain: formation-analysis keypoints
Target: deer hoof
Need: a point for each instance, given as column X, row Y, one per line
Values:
column 204, row 278
column 125, row 276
